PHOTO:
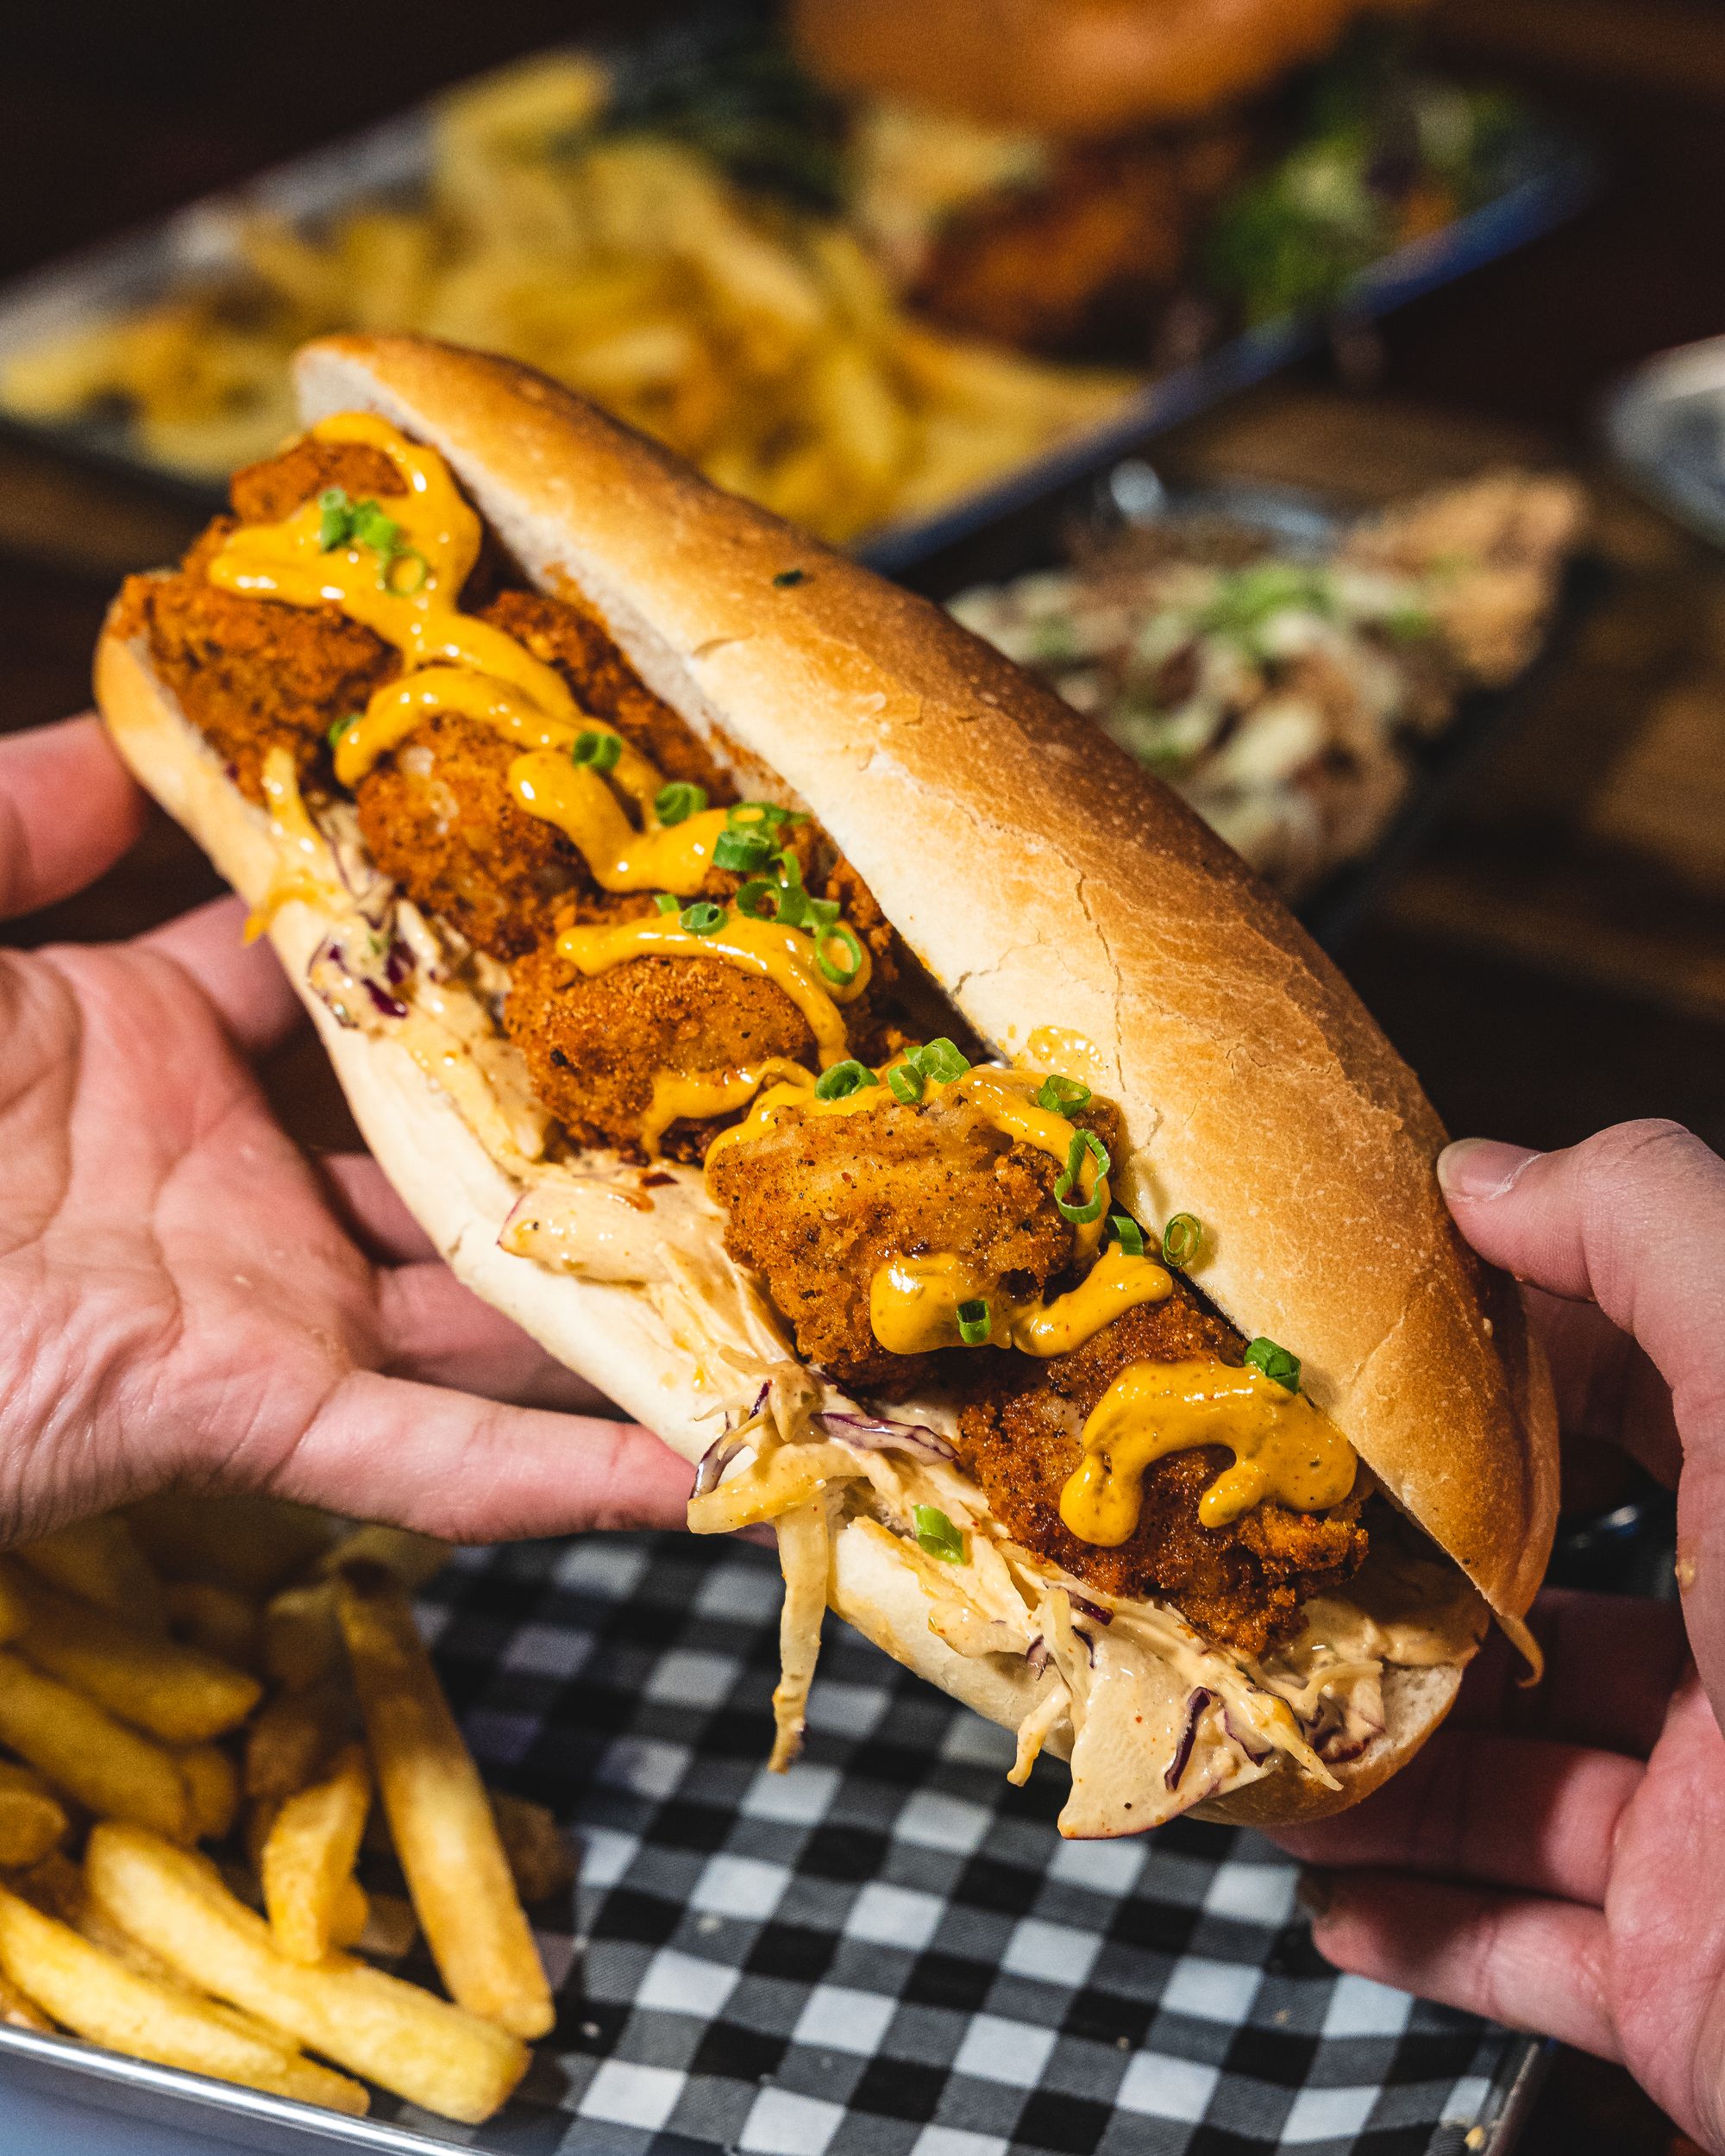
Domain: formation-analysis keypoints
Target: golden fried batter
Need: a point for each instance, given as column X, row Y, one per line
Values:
column 1242, row 1583
column 266, row 493
column 437, row 815
column 593, row 1045
column 818, row 1203
column 565, row 635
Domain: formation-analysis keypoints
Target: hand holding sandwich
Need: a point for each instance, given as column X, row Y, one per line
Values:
column 186, row 1297
column 1562, row 1843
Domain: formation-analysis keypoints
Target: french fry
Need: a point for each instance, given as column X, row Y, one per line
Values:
column 219, row 1619
column 250, row 1543
column 96, row 1996
column 540, row 1859
column 99, row 1560
column 212, row 1784
column 173, row 1691
column 18, row 2012
column 417, row 2046
column 439, row 1818
column 302, row 1638
column 309, row 1856
column 350, row 1915
column 78, row 1747
column 32, row 1818
column 293, row 1736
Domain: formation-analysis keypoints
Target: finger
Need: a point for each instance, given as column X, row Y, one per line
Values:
column 438, row 1332
column 1499, row 1811
column 373, row 1211
column 244, row 980
column 1631, row 1220
column 69, row 808
column 1612, row 1663
column 470, row 1470
column 1536, row 1965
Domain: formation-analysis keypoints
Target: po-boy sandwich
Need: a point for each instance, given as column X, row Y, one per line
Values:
column 828, row 1044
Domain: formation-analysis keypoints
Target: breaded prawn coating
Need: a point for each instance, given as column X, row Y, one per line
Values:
column 441, row 823
column 1242, row 1583
column 251, row 672
column 595, row 1043
column 818, row 1205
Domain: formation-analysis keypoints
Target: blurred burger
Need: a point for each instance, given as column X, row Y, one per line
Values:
column 1036, row 170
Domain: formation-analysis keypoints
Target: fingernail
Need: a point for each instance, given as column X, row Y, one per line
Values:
column 1315, row 1892
column 1476, row 1168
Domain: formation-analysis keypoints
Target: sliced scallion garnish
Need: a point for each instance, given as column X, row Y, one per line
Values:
column 940, row 1059
column 974, row 1322
column 677, row 802
column 1276, row 1363
column 1127, row 1233
column 906, row 1083
column 1182, row 1240
column 1060, row 1094
column 1080, row 1215
column 701, row 918
column 596, row 750
column 845, row 938
column 843, row 1080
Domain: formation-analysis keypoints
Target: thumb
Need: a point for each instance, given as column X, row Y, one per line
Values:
column 1632, row 1220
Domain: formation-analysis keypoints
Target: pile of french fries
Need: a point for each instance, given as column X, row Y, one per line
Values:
column 763, row 342
column 246, row 1675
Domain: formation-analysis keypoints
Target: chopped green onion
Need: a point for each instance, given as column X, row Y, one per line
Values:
column 665, row 903
column 837, row 932
column 372, row 528
column 843, row 1080
column 975, row 1322
column 1127, row 1233
column 1182, row 1240
column 751, row 900
column 676, row 803
column 819, row 916
column 744, row 852
column 389, row 581
column 1082, row 1142
column 596, row 751
column 1060, row 1094
column 936, row 1533
column 786, row 578
column 939, row 1059
column 335, row 518
column 906, row 1082
column 340, row 726
column 1276, row 1363
column 702, row 918
column 765, row 815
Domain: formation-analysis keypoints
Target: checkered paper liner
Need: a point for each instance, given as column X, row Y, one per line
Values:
column 890, row 1951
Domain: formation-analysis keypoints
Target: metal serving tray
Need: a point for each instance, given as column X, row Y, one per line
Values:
column 392, row 160
column 888, row 1952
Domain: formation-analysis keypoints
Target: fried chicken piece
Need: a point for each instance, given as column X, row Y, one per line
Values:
column 1242, row 1583
column 567, row 635
column 266, row 494
column 250, row 673
column 437, row 815
column 818, row 1203
column 595, row 1045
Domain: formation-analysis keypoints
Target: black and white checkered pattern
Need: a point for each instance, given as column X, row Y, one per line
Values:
column 888, row 1952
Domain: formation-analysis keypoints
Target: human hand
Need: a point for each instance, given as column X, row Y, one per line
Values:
column 183, row 1296
column 1551, row 1857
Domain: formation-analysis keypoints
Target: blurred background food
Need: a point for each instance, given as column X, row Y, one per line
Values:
column 1282, row 687
column 854, row 293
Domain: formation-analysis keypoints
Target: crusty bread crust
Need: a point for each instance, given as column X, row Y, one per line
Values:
column 1064, row 67
column 1045, row 879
